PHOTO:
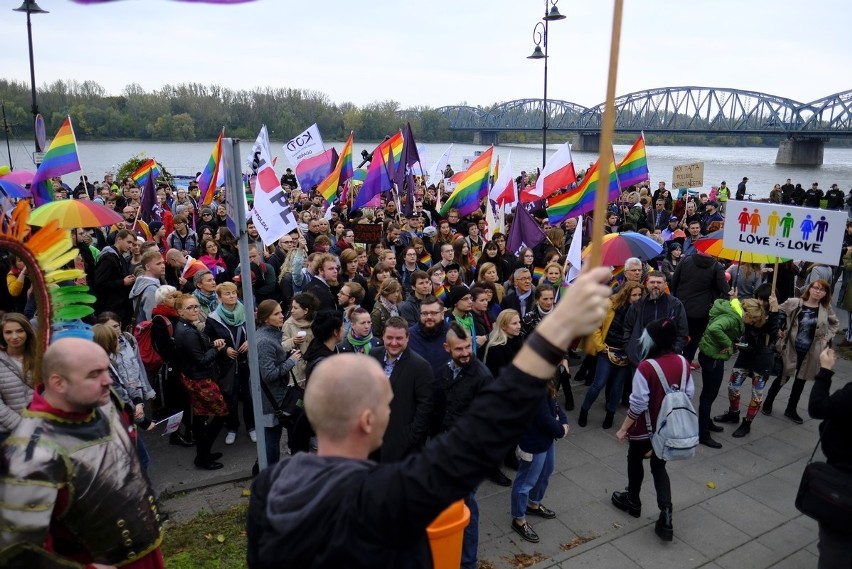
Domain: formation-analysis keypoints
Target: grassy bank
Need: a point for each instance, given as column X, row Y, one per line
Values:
column 208, row 540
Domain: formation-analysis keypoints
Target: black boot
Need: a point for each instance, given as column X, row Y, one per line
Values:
column 705, row 439
column 743, row 429
column 623, row 501
column 664, row 527
column 713, row 427
column 607, row 422
column 729, row 417
column 583, row 418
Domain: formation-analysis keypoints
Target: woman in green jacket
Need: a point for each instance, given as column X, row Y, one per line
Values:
column 727, row 323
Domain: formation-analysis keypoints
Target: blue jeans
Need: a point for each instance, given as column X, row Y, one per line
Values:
column 272, row 436
column 470, row 545
column 531, row 481
column 144, row 457
column 605, row 371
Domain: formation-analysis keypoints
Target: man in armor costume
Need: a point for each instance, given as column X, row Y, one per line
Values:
column 72, row 489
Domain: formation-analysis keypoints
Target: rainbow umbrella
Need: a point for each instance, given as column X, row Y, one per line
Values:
column 20, row 177
column 712, row 244
column 74, row 213
column 618, row 247
column 13, row 190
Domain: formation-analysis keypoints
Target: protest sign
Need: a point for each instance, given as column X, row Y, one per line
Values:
column 304, row 145
column 367, row 232
column 798, row 233
column 688, row 175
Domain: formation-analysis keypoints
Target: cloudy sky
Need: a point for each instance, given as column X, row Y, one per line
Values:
column 437, row 52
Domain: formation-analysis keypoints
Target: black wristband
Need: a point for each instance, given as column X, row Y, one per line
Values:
column 544, row 348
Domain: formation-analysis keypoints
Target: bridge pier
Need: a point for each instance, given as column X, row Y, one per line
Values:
column 486, row 137
column 588, row 142
column 800, row 152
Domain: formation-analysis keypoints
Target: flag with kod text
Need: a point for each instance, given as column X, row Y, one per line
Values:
column 306, row 144
column 272, row 214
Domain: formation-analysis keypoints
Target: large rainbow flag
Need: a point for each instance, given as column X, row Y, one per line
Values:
column 472, row 187
column 581, row 199
column 380, row 174
column 342, row 172
column 144, row 170
column 207, row 180
column 60, row 158
column 633, row 168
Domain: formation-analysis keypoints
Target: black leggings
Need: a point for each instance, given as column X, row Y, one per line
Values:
column 636, row 472
column 781, row 380
column 205, row 430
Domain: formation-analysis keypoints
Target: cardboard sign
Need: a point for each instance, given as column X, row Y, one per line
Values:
column 688, row 175
column 798, row 233
column 367, row 232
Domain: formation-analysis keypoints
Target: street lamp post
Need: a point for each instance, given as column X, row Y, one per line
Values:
column 30, row 7
column 540, row 38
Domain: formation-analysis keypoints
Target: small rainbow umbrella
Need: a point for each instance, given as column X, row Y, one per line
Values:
column 13, row 190
column 713, row 245
column 74, row 213
column 618, row 247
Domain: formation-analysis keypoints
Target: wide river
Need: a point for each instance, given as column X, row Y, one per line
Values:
column 729, row 164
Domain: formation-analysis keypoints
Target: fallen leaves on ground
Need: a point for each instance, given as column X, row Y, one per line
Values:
column 578, row 541
column 521, row 560
column 208, row 540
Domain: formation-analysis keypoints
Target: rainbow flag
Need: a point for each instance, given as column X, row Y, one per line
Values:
column 538, row 273
column 381, row 171
column 633, row 168
column 426, row 259
column 144, row 170
column 472, row 187
column 581, row 199
column 60, row 158
column 617, row 276
column 441, row 293
column 342, row 172
column 207, row 180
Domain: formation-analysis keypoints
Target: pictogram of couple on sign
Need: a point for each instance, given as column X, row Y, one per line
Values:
column 752, row 220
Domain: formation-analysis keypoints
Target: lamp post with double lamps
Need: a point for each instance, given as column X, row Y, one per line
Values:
column 540, row 32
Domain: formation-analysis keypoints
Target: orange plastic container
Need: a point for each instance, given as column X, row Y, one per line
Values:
column 446, row 533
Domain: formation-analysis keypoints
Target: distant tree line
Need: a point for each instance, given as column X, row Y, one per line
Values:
column 191, row 112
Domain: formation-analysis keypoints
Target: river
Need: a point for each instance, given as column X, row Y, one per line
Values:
column 728, row 164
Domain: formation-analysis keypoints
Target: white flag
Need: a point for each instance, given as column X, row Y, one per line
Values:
column 307, row 144
column 436, row 174
column 575, row 252
column 272, row 214
column 490, row 221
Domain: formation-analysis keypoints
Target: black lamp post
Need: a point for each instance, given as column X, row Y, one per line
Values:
column 30, row 7
column 540, row 38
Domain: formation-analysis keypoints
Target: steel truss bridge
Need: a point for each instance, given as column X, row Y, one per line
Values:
column 673, row 110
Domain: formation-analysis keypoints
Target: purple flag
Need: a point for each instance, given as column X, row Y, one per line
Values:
column 149, row 200
column 525, row 232
column 404, row 176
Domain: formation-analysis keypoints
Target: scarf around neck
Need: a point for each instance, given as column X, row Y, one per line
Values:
column 208, row 302
column 362, row 345
column 235, row 317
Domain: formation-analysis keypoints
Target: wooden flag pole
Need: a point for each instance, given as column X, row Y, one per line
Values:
column 774, row 276
column 605, row 149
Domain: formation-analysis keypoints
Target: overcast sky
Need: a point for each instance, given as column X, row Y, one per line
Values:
column 437, row 52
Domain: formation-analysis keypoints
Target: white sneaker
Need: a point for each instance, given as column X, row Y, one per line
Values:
column 230, row 438
column 253, row 436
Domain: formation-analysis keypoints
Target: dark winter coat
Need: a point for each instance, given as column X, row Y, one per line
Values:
column 697, row 281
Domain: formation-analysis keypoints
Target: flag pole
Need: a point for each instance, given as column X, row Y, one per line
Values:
column 774, row 275
column 139, row 209
column 605, row 149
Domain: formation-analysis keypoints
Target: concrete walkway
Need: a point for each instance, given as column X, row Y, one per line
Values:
column 733, row 507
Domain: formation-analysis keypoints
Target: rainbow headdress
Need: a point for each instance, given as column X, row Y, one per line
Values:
column 60, row 158
column 60, row 298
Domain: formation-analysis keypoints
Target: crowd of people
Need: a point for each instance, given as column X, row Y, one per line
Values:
column 438, row 307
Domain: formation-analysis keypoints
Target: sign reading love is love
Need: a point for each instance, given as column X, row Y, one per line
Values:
column 798, row 233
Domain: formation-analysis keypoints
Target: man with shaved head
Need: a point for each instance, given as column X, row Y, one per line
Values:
column 338, row 509
column 101, row 511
